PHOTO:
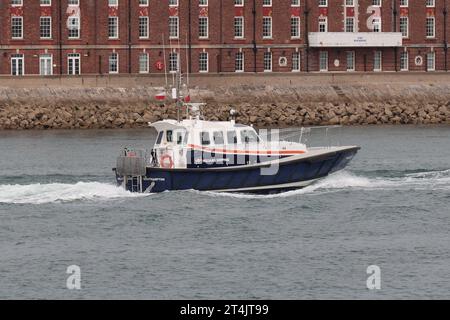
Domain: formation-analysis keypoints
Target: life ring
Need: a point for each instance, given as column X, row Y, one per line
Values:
column 166, row 161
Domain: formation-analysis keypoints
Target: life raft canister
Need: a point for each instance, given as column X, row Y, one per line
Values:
column 166, row 161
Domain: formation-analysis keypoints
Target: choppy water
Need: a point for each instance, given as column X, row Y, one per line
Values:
column 59, row 207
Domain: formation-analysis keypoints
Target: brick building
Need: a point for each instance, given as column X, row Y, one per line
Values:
column 129, row 36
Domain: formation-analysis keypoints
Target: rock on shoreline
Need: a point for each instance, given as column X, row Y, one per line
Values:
column 106, row 115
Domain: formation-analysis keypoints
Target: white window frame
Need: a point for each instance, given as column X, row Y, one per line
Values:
column 268, row 54
column 200, row 62
column 14, row 61
column 49, row 60
column 325, row 53
column 378, row 54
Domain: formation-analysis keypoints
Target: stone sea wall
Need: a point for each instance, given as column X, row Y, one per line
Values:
column 274, row 102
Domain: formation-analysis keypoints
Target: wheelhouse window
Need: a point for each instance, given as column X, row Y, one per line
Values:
column 160, row 137
column 232, row 137
column 169, row 136
column 248, row 136
column 180, row 137
column 218, row 138
column 205, row 139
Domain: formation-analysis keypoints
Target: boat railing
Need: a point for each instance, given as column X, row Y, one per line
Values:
column 312, row 137
column 133, row 162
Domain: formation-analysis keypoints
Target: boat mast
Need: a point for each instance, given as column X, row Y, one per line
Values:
column 165, row 64
column 179, row 103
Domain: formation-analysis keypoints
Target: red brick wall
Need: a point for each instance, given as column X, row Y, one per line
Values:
column 95, row 47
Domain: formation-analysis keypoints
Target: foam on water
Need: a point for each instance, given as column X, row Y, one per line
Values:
column 432, row 180
column 60, row 192
column 344, row 180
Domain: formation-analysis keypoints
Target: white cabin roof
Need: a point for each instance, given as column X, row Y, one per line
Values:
column 196, row 124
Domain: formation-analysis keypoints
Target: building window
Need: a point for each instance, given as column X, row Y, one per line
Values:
column 73, row 64
column 323, row 60
column 74, row 2
column 323, row 24
column 377, row 61
column 431, row 61
column 295, row 3
column 203, row 28
column 349, row 3
column 404, row 27
column 376, row 3
column 404, row 62
column 203, row 3
column 203, row 62
column 239, row 62
column 173, row 62
column 113, row 3
column 45, row 65
column 239, row 27
column 430, row 27
column 267, row 3
column 267, row 61
column 350, row 61
column 17, row 65
column 114, row 63
column 376, row 22
column 430, row 3
column 173, row 27
column 296, row 62
column 403, row 3
column 349, row 24
column 74, row 27
column 16, row 2
column 143, row 27
column 46, row 2
column 46, row 27
column 143, row 3
column 143, row 63
column 238, row 3
column 113, row 27
column 295, row 27
column 17, row 27
column 267, row 27
column 173, row 3
column 323, row 3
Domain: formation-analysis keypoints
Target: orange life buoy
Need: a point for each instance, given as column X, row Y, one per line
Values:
column 166, row 161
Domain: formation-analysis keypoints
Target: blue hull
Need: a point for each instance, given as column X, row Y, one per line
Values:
column 293, row 174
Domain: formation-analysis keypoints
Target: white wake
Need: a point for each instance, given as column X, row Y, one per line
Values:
column 60, row 192
column 344, row 180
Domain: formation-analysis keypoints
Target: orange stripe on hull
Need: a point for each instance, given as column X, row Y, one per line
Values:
column 278, row 152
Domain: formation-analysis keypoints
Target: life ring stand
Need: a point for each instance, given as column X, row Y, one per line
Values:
column 166, row 162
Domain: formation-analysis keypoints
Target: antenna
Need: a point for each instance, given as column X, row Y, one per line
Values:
column 187, row 64
column 170, row 52
column 165, row 64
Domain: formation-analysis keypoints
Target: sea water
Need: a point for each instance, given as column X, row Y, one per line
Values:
column 59, row 207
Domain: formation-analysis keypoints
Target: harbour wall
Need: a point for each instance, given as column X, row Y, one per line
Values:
column 272, row 100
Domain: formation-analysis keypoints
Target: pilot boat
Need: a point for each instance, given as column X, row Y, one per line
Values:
column 224, row 156
column 191, row 153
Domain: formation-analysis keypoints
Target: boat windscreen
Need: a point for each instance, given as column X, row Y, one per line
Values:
column 160, row 136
